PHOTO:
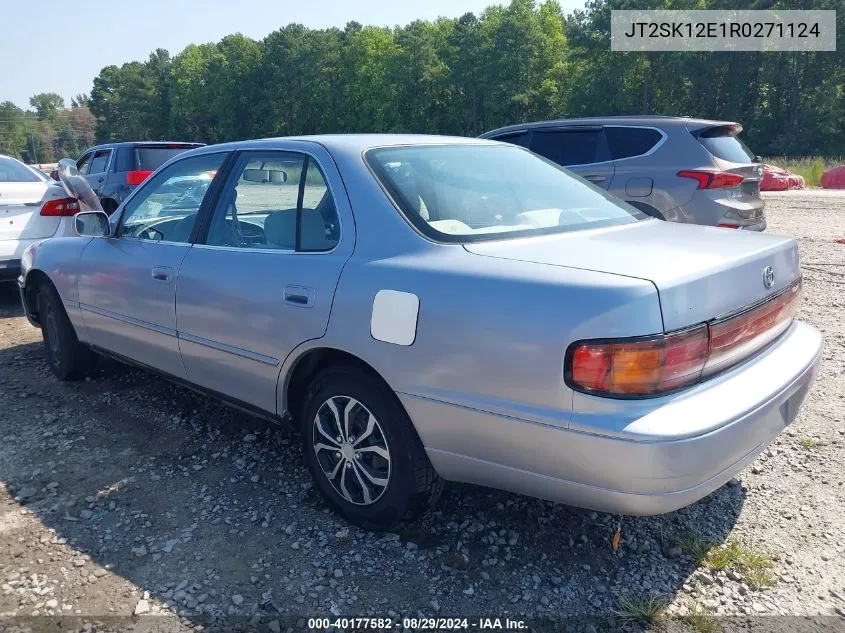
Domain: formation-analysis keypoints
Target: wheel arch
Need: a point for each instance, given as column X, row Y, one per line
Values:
column 304, row 367
column 35, row 279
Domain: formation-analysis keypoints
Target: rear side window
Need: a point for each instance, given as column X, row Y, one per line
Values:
column 151, row 158
column 626, row 142
column 99, row 162
column 124, row 159
column 13, row 171
column 567, row 148
column 723, row 143
column 280, row 201
column 520, row 138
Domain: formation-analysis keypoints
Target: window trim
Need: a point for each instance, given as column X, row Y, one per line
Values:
column 211, row 196
column 232, row 173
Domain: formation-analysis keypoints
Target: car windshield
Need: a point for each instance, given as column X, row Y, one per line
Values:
column 13, row 171
column 467, row 193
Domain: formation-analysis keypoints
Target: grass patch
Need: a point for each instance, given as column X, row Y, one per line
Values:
column 809, row 167
column 646, row 609
column 697, row 546
column 811, row 443
column 700, row 620
column 755, row 566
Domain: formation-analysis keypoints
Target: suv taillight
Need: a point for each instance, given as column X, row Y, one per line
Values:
column 650, row 366
column 64, row 207
column 712, row 179
column 137, row 177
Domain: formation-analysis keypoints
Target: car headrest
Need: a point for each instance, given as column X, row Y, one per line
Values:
column 280, row 230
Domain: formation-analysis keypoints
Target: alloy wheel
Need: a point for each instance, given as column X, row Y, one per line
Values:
column 352, row 450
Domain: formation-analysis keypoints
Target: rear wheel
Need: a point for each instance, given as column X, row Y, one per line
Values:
column 363, row 452
column 67, row 357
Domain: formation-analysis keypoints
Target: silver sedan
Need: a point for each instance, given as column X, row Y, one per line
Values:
column 430, row 308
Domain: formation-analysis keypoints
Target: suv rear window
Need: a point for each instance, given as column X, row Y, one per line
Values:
column 151, row 158
column 723, row 143
column 626, row 142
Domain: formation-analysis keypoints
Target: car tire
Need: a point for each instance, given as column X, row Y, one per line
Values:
column 387, row 458
column 67, row 357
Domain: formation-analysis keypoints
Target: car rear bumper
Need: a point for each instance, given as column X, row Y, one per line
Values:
column 712, row 208
column 661, row 456
column 10, row 269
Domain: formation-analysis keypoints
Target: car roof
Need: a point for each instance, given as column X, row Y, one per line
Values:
column 142, row 144
column 659, row 121
column 345, row 143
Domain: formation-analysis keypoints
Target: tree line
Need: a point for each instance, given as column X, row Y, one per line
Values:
column 521, row 62
column 49, row 131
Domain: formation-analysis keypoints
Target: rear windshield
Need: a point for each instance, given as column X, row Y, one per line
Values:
column 13, row 171
column 151, row 158
column 468, row 193
column 723, row 143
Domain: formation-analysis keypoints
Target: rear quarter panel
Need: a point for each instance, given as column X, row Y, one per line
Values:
column 491, row 334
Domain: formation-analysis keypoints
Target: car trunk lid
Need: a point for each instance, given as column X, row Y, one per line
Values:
column 20, row 207
column 701, row 273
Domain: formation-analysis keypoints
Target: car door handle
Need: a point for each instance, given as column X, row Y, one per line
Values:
column 163, row 274
column 299, row 296
column 596, row 178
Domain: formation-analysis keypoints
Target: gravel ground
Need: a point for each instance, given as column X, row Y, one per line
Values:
column 127, row 496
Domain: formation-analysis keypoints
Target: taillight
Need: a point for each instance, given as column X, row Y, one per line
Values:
column 137, row 177
column 727, row 226
column 63, row 207
column 739, row 336
column 708, row 179
column 654, row 365
column 639, row 367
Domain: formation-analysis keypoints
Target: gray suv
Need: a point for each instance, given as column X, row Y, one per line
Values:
column 113, row 170
column 673, row 168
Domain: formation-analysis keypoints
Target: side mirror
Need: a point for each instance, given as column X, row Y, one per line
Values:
column 91, row 224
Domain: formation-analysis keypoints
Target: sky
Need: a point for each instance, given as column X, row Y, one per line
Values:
column 61, row 45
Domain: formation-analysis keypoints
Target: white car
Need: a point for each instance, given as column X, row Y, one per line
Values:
column 32, row 207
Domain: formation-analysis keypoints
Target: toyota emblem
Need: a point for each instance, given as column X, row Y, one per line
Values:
column 768, row 276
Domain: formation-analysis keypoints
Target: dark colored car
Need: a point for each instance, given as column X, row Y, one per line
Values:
column 680, row 169
column 115, row 169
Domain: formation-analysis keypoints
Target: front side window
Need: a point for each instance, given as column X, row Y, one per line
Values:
column 278, row 201
column 165, row 208
column 567, row 148
column 465, row 193
column 84, row 164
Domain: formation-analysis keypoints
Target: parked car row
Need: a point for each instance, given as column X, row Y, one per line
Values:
column 429, row 308
column 673, row 168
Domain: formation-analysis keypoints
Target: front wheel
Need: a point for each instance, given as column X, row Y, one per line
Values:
column 363, row 452
column 67, row 357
